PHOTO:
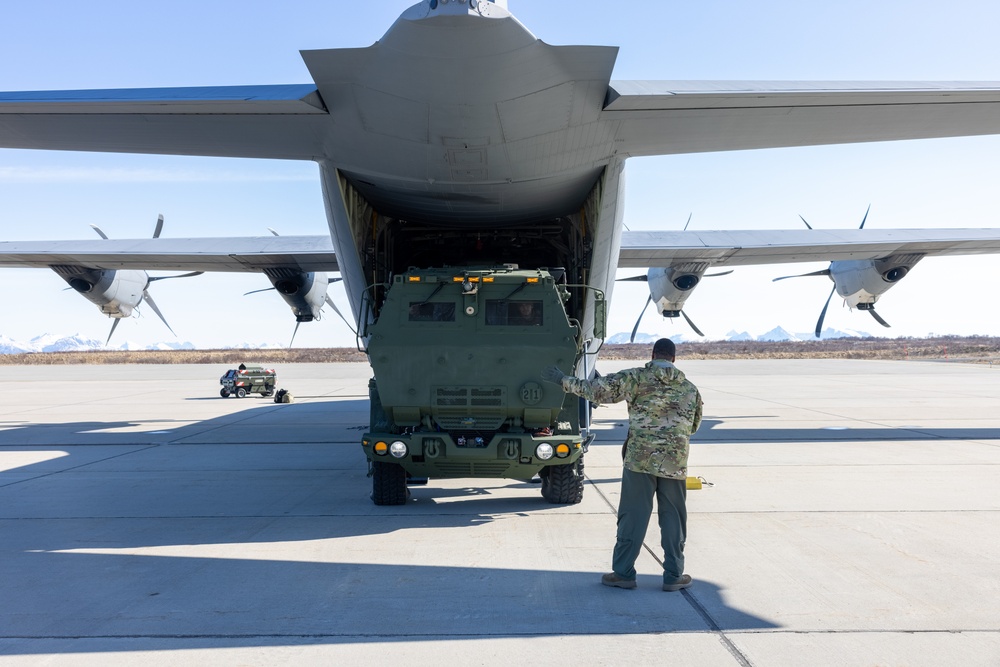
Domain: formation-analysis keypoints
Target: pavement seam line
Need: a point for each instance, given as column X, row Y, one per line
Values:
column 82, row 465
column 324, row 635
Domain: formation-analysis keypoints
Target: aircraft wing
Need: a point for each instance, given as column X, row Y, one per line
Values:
column 638, row 249
column 646, row 117
column 248, row 254
column 673, row 117
column 743, row 248
column 283, row 122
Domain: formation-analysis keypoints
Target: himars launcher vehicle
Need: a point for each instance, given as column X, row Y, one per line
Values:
column 456, row 354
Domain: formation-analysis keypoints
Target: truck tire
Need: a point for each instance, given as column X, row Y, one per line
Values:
column 389, row 484
column 241, row 392
column 224, row 393
column 563, row 485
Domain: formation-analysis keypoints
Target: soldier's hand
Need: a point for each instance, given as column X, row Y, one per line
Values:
column 553, row 374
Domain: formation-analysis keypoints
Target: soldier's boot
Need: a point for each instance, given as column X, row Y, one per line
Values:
column 612, row 579
column 681, row 582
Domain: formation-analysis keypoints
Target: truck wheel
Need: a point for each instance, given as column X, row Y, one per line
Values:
column 224, row 393
column 389, row 484
column 241, row 393
column 563, row 485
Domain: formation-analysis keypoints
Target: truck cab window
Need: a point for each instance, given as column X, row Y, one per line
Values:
column 431, row 312
column 513, row 313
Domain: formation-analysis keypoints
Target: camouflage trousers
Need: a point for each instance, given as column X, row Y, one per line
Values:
column 634, row 510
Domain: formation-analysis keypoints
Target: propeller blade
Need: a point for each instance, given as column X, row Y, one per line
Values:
column 273, row 232
column 330, row 303
column 99, row 232
column 716, row 275
column 292, row 342
column 256, row 291
column 865, row 218
column 159, row 226
column 334, row 280
column 822, row 272
column 689, row 221
column 636, row 327
column 878, row 318
column 183, row 275
column 152, row 304
column 696, row 329
column 805, row 221
column 634, row 279
column 114, row 325
column 822, row 314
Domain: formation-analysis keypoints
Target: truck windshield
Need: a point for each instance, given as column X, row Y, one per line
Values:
column 501, row 312
column 432, row 312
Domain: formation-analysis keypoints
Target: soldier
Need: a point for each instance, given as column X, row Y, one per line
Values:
column 664, row 410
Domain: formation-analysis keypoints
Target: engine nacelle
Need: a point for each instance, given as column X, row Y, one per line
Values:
column 670, row 287
column 305, row 293
column 862, row 282
column 115, row 292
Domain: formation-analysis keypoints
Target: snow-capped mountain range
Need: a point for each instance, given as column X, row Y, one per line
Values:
column 774, row 335
column 77, row 343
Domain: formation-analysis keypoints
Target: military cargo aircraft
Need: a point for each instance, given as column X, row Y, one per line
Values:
column 473, row 182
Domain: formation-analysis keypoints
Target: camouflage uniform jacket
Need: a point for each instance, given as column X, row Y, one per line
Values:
column 664, row 410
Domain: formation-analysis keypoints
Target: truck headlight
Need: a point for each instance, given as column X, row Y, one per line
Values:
column 381, row 448
column 544, row 451
column 562, row 450
column 398, row 449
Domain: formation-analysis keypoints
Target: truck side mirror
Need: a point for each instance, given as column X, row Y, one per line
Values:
column 600, row 315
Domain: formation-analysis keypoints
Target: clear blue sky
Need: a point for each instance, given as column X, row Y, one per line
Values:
column 103, row 44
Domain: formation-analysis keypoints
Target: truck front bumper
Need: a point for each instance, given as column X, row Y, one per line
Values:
column 506, row 455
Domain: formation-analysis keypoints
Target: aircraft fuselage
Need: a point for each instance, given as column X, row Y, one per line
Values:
column 462, row 139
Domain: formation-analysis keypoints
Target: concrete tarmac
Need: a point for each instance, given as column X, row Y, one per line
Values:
column 852, row 520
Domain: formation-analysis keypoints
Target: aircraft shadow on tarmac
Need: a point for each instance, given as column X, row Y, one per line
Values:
column 711, row 434
column 157, row 603
column 69, row 520
column 261, row 422
column 316, row 422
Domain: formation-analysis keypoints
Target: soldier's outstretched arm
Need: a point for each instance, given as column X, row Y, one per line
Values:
column 608, row 389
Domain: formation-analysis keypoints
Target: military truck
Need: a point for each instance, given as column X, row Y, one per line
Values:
column 245, row 380
column 457, row 393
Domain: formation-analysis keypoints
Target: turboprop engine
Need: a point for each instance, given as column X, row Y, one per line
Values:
column 116, row 292
column 670, row 287
column 862, row 281
column 305, row 293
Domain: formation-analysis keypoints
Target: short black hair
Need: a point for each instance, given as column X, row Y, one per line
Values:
column 664, row 349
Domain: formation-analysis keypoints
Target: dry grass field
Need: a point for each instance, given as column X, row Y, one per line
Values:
column 952, row 348
column 984, row 349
